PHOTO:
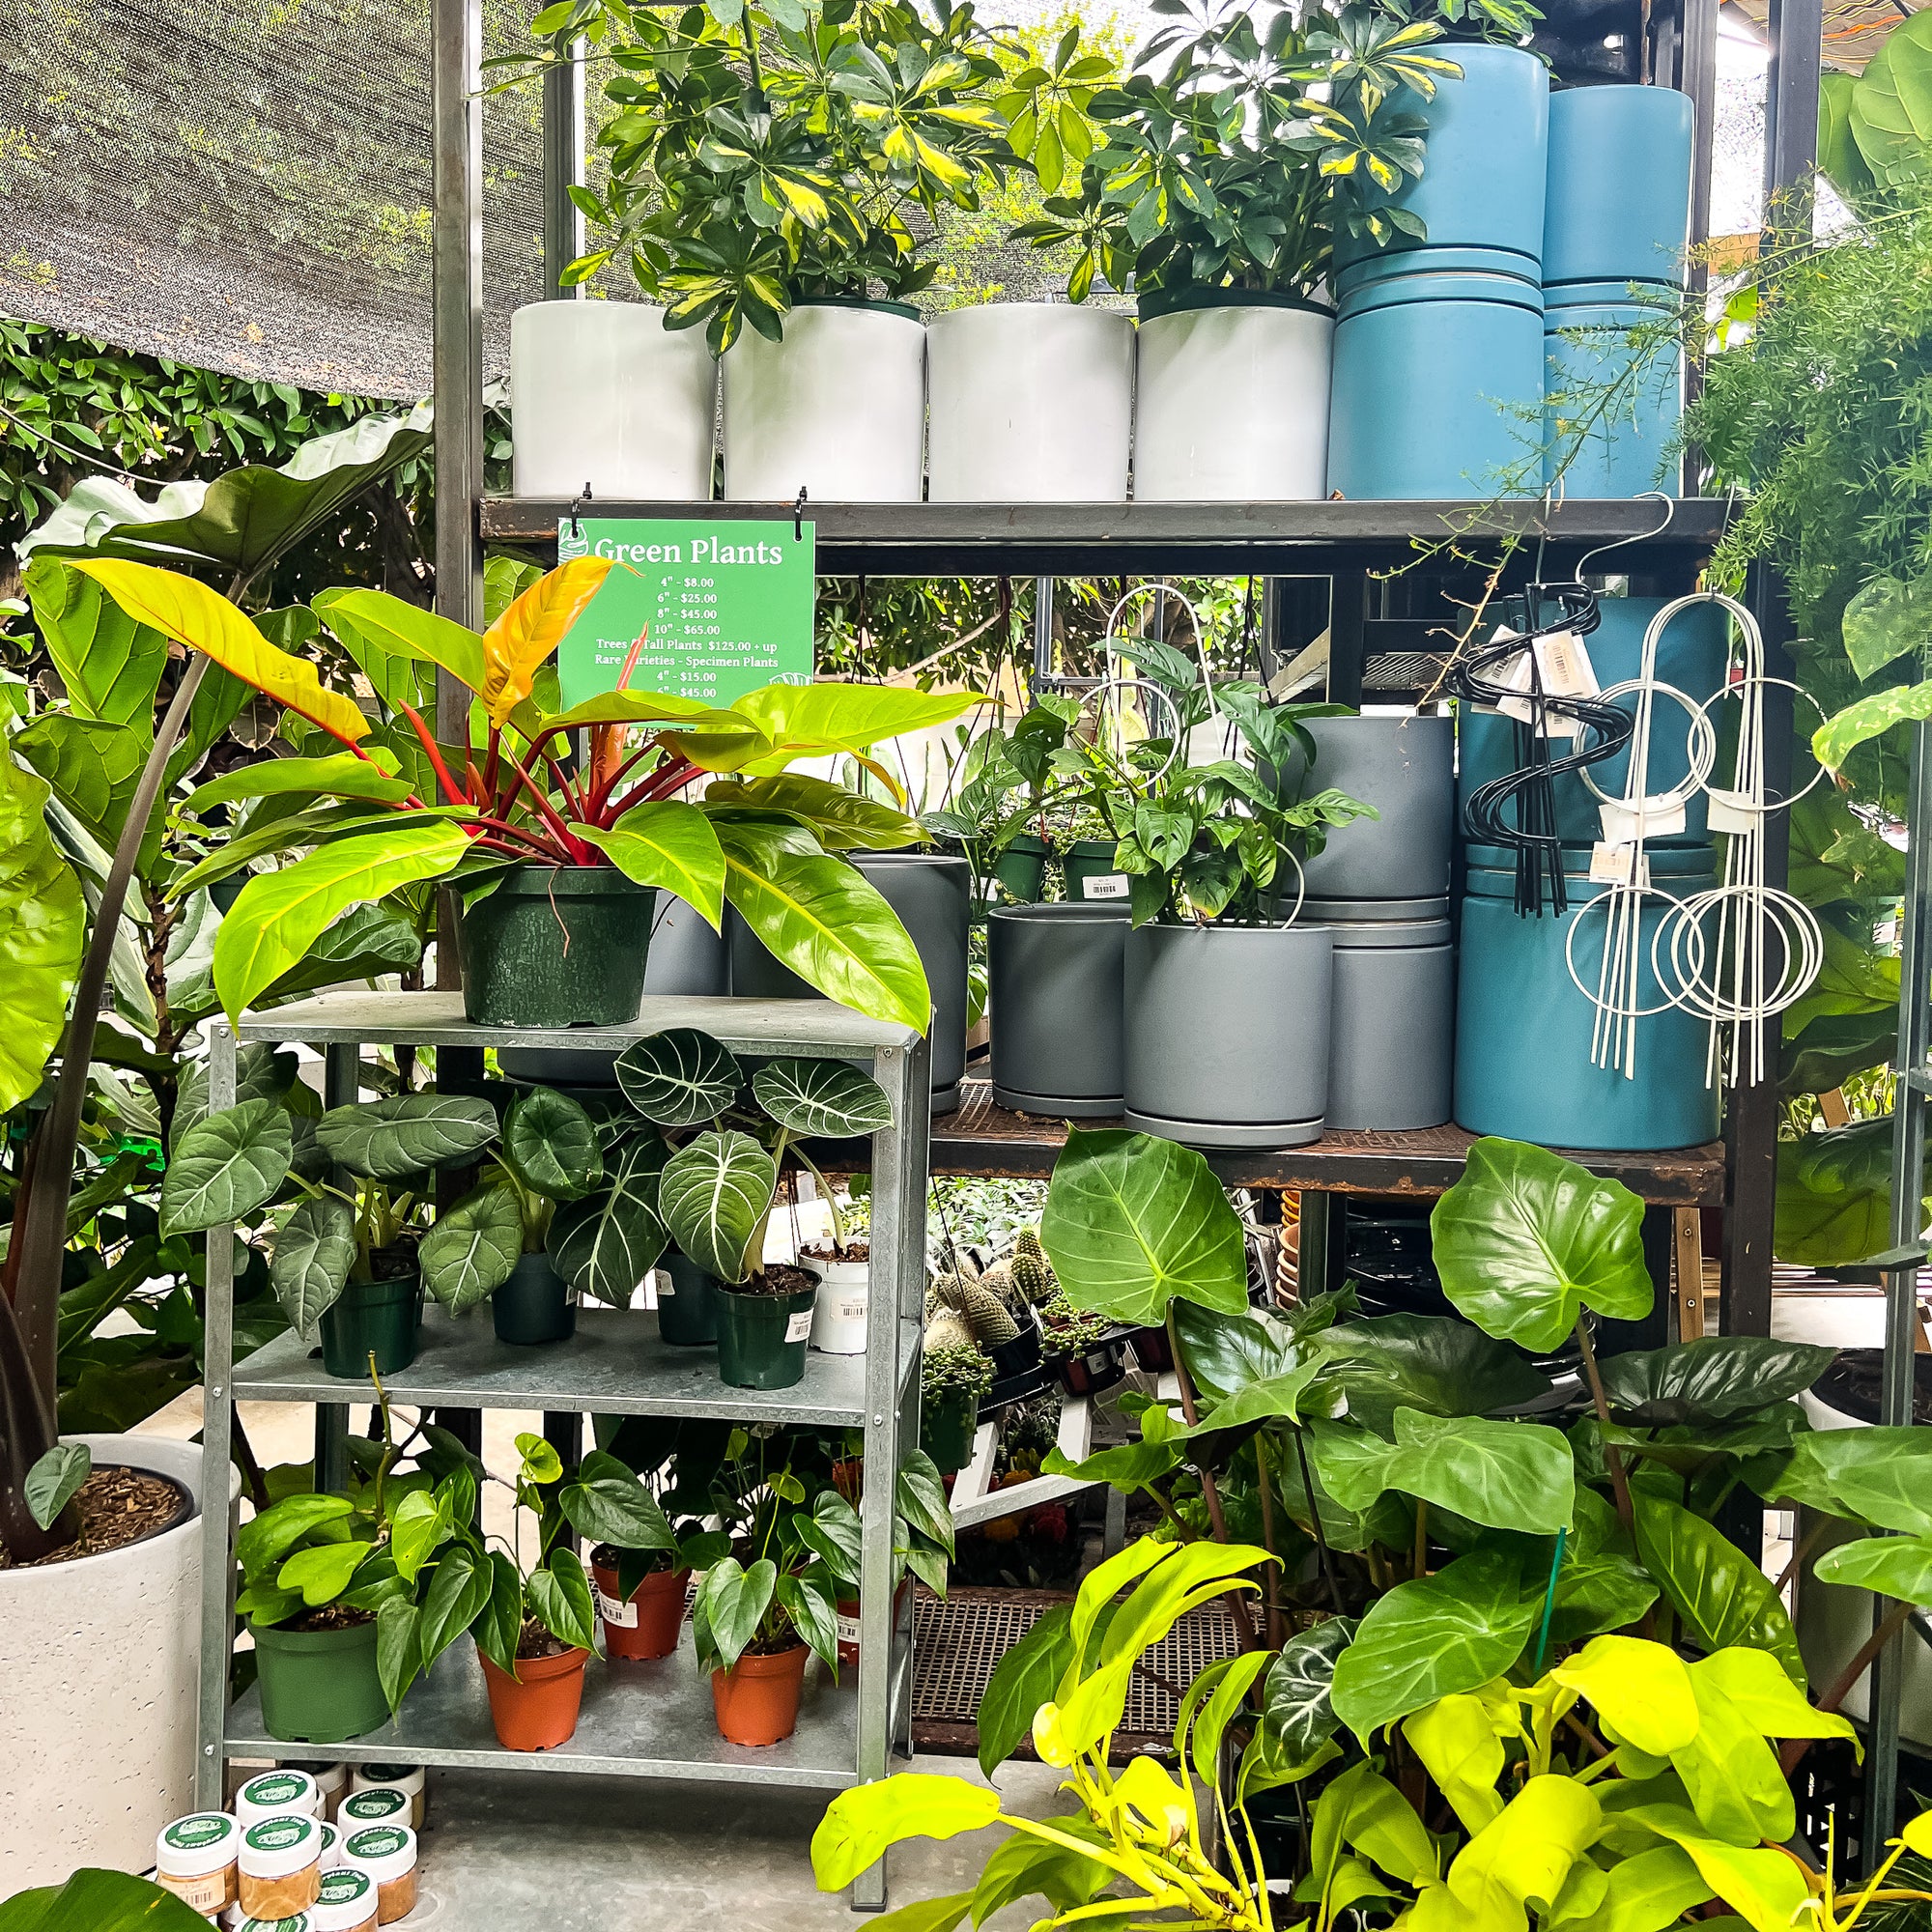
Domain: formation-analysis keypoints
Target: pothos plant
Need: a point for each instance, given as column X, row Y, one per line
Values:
column 763, row 152
column 388, row 808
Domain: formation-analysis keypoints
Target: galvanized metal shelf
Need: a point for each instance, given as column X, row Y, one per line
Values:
column 1109, row 539
column 638, row 1720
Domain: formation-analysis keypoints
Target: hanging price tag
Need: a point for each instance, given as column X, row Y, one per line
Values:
column 1618, row 866
column 1649, row 818
column 1563, row 669
column 1734, row 812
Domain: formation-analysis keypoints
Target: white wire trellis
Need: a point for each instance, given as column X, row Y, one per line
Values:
column 1710, row 951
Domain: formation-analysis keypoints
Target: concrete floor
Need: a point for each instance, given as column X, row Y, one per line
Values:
column 536, row 1851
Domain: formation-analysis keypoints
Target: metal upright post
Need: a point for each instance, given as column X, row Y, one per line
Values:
column 1913, row 1065
column 562, row 167
column 1698, row 76
column 341, row 1087
column 1796, row 30
column 217, row 1414
column 1043, row 631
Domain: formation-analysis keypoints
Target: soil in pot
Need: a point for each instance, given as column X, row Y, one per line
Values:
column 536, row 1710
column 687, row 1303
column 379, row 1317
column 118, row 1506
column 535, row 1305
column 319, row 1679
column 756, row 1700
column 764, row 1326
column 558, row 947
column 646, row 1623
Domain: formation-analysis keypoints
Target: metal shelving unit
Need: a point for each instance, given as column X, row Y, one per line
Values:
column 638, row 1721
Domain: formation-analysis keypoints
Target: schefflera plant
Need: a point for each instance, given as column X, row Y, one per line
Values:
column 704, row 1172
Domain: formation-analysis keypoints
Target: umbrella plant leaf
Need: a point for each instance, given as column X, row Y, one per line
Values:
column 1134, row 1222
column 713, row 1196
column 551, row 1145
column 226, row 1166
column 1455, row 1631
column 825, row 1098
column 1526, row 1240
column 679, row 1077
column 314, row 1252
column 474, row 1248
column 395, row 1137
column 605, row 1245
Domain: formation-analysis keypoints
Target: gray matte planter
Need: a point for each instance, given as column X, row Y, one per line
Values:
column 1057, row 977
column 1391, row 1053
column 1406, row 768
column 755, row 974
column 932, row 893
column 1227, row 1034
column 685, row 957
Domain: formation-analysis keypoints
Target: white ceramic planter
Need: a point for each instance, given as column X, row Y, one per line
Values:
column 100, row 1660
column 838, row 1315
column 838, row 408
column 1031, row 403
column 602, row 393
column 1230, row 400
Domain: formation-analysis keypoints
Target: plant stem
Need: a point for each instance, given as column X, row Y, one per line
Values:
column 1209, row 1492
column 1272, row 1597
column 1321, row 1552
column 1613, row 1461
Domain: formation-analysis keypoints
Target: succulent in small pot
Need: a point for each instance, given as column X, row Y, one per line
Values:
column 951, row 1384
column 1088, row 1353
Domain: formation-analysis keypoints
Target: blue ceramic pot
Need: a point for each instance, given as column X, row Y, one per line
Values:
column 1614, row 395
column 1619, row 205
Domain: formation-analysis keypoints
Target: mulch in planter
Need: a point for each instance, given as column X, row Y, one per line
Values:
column 118, row 1506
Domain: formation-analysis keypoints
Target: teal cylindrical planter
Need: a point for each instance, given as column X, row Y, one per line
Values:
column 1690, row 655
column 1613, row 395
column 1618, row 204
column 1437, row 389
column 1484, row 178
column 1523, row 1027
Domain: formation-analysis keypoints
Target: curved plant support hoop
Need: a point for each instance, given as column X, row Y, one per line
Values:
column 27, row 1378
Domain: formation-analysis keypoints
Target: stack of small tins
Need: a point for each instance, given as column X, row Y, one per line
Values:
column 1438, row 387
column 1616, row 215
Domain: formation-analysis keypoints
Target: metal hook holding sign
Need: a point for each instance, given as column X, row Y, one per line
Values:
column 798, row 516
column 577, row 504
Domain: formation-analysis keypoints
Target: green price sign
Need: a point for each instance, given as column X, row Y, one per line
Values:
column 723, row 606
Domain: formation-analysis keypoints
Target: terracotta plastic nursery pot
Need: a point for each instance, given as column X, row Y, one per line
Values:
column 847, row 1609
column 756, row 1700
column 536, row 1710
column 648, row 1623
column 558, row 946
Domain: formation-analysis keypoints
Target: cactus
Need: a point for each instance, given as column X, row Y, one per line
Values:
column 986, row 1317
column 948, row 1329
column 1027, row 1242
column 1031, row 1274
column 999, row 1280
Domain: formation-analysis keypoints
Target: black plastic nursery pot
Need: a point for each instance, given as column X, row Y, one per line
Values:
column 558, row 946
column 378, row 1317
column 1153, row 1349
column 687, row 1303
column 762, row 1338
column 318, row 1687
column 946, row 1428
column 535, row 1305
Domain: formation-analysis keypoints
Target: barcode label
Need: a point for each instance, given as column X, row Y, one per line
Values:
column 799, row 1327
column 622, row 1616
column 1108, row 886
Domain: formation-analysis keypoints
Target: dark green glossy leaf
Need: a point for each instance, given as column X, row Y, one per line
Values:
column 55, row 1480
column 1295, row 1696
column 398, row 1647
column 101, row 1901
column 1027, row 1676
column 823, row 1099
column 457, row 1593
column 1709, row 1380
column 1505, row 1475
column 1721, row 1595
column 314, row 1252
column 1877, row 1476
column 560, row 1600
column 1227, row 1349
column 499, row 1624
column 226, row 1167
column 1601, row 1586
column 474, row 1248
column 403, row 1135
column 551, row 1145
column 732, row 1600
column 1429, row 1362
column 607, row 1244
column 679, row 1077
column 607, row 1504
column 713, row 1195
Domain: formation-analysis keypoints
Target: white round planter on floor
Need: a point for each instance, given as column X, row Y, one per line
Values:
column 838, row 408
column 838, row 1315
column 1031, row 403
column 1230, row 398
column 100, row 1660
column 602, row 393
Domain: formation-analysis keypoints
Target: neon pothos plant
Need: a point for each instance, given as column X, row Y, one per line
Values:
column 1136, row 1842
column 389, row 805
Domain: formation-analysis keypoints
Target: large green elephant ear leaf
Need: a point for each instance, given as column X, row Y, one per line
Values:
column 831, row 926
column 1709, row 1380
column 109, row 663
column 394, row 1138
column 678, row 1077
column 472, row 1249
column 551, row 1145
column 1720, row 1596
column 713, row 1196
column 1132, row 1222
column 314, row 1253
column 42, row 929
column 826, row 1098
column 605, row 1245
column 1526, row 1240
column 1434, row 1363
column 226, row 1166
column 1834, row 1195
column 243, row 518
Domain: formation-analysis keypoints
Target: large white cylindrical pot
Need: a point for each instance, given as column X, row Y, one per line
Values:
column 1230, row 398
column 837, row 409
column 101, row 1661
column 1031, row 403
column 603, row 393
